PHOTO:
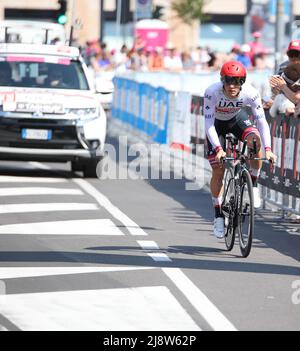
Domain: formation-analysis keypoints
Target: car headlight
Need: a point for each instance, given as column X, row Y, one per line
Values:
column 83, row 112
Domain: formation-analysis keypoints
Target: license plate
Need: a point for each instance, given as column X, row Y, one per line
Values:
column 43, row 108
column 37, row 134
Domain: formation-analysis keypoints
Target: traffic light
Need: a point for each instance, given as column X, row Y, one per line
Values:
column 61, row 17
column 158, row 12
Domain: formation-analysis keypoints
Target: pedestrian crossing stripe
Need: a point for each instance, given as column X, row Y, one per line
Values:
column 73, row 227
column 130, row 309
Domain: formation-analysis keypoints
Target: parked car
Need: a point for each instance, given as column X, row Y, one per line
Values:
column 49, row 108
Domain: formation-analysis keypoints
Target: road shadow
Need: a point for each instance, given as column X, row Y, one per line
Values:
column 29, row 258
column 198, row 211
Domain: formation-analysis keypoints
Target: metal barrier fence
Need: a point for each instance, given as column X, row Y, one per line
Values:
column 172, row 118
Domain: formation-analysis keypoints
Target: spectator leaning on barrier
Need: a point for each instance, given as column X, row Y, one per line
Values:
column 289, row 84
column 293, row 53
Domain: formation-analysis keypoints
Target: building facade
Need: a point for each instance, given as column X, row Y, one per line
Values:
column 225, row 27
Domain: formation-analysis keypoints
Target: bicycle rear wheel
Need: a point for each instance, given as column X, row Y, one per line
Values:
column 228, row 208
column 246, row 214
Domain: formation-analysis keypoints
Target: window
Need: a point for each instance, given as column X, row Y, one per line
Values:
column 16, row 72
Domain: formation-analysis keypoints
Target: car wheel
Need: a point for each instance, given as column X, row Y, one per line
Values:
column 92, row 169
column 76, row 166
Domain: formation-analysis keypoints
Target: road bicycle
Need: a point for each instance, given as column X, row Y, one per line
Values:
column 237, row 204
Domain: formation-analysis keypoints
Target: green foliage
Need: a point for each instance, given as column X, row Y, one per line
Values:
column 190, row 10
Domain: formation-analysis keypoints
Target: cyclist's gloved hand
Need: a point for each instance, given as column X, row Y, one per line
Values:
column 221, row 154
column 271, row 157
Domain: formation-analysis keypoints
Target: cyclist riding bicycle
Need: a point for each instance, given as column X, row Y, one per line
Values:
column 224, row 111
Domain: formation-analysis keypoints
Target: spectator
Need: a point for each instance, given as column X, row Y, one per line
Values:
column 200, row 58
column 293, row 53
column 172, row 61
column 121, row 60
column 289, row 84
column 256, row 47
column 235, row 52
column 187, row 62
column 138, row 61
column 261, row 61
column 101, row 62
column 243, row 57
column 156, row 60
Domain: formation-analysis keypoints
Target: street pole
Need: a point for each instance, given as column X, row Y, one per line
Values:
column 118, row 24
column 102, row 19
column 247, row 23
column 280, row 33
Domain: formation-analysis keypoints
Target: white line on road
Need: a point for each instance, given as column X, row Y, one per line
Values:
column 196, row 297
column 48, row 207
column 156, row 256
column 29, row 272
column 103, row 201
column 15, row 179
column 77, row 227
column 200, row 302
column 148, row 245
column 38, row 191
column 130, row 309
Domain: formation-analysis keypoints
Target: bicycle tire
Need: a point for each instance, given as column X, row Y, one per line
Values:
column 246, row 210
column 230, row 230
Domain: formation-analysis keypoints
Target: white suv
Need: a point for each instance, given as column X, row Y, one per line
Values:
column 49, row 109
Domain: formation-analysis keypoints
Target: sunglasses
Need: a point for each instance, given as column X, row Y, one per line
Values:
column 234, row 80
column 293, row 54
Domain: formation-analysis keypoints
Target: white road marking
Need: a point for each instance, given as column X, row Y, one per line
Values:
column 134, row 309
column 103, row 201
column 156, row 256
column 200, row 302
column 15, row 179
column 48, row 207
column 148, row 245
column 159, row 257
column 29, row 272
column 38, row 191
column 75, row 227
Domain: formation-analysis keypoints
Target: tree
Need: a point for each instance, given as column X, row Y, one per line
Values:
column 190, row 10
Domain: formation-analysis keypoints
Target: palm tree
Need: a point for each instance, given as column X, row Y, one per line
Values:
column 191, row 13
column 190, row 10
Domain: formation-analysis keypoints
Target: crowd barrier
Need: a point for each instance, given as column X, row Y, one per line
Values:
column 143, row 107
column 176, row 119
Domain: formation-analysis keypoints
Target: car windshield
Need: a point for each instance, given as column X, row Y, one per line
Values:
column 30, row 72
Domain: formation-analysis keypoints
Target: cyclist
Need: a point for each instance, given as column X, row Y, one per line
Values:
column 224, row 111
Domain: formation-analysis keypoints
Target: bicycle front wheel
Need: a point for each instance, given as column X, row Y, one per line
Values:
column 228, row 208
column 246, row 214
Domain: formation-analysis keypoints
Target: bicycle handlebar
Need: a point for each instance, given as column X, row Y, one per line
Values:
column 224, row 159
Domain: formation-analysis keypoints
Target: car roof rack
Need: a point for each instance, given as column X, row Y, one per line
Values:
column 46, row 32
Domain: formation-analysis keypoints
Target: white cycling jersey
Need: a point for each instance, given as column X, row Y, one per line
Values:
column 218, row 106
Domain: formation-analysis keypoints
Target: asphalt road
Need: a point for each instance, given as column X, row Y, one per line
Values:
column 86, row 254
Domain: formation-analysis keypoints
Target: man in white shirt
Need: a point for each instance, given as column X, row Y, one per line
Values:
column 173, row 62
